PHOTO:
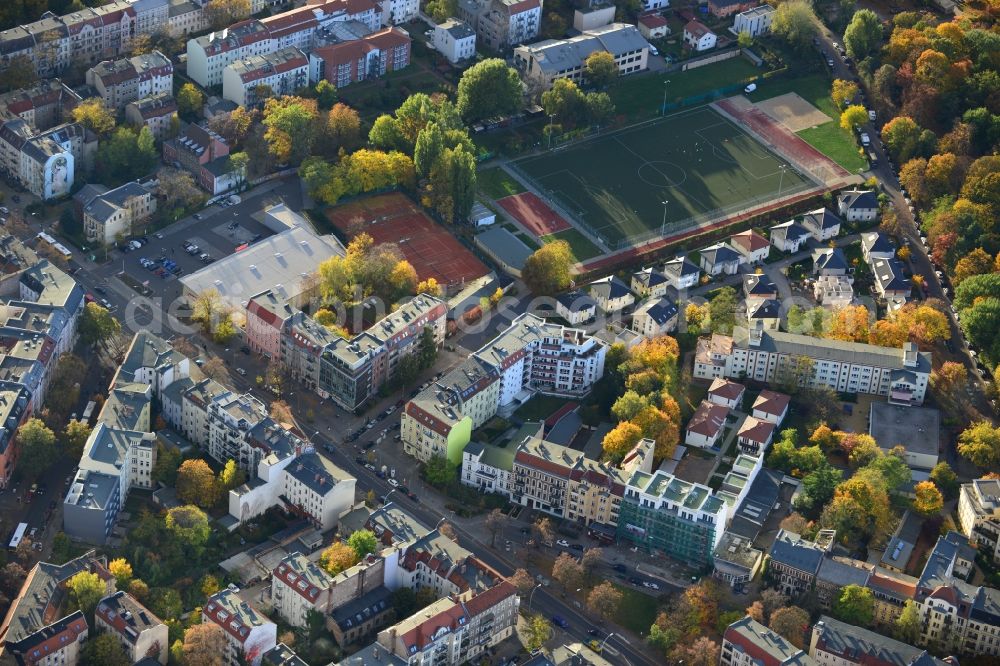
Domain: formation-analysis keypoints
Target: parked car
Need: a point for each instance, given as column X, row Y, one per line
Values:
column 242, row 372
column 618, row 566
column 562, row 543
column 560, row 621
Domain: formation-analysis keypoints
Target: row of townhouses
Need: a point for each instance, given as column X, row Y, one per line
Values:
column 956, row 616
column 349, row 371
column 40, row 628
column 531, row 356
column 119, row 82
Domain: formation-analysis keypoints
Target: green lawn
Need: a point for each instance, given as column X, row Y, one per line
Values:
column 829, row 138
column 637, row 611
column 497, row 183
column 581, row 246
column 836, row 143
column 527, row 240
column 540, row 408
column 640, row 96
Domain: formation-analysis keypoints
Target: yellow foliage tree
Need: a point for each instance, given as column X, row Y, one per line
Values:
column 976, row 262
column 337, row 557
column 620, row 440
column 853, row 116
column 843, row 92
column 849, row 323
column 928, row 500
column 430, row 287
column 122, row 571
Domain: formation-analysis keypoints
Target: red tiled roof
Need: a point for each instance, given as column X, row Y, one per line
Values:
column 756, row 430
column 726, row 389
column 708, row 419
column 900, row 587
column 749, row 241
column 652, row 20
column 696, row 28
column 772, row 402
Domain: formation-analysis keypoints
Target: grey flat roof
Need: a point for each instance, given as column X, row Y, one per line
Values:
column 507, row 247
column 918, row 429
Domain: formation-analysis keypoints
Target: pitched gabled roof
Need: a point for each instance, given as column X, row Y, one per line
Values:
column 697, row 29
column 719, row 254
column 889, row 275
column 749, row 241
column 726, row 389
column 766, row 309
column 609, row 288
column 876, row 241
column 758, row 285
column 790, row 231
column 771, row 402
column 821, row 218
column 756, row 430
column 708, row 419
column 680, row 267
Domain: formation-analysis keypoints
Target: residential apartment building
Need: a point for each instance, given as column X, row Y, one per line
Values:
column 39, row 628
column 488, row 468
column 119, row 82
column 683, row 520
column 38, row 149
column 141, row 634
column 456, row 40
column 299, row 585
column 249, row 634
column 267, row 315
column 655, row 317
column 836, row 642
column 185, row 17
column 87, row 35
column 209, row 55
column 502, row 24
column 531, row 356
column 15, row 409
column 545, row 62
column 371, row 57
column 158, row 113
column 115, row 213
column 351, row 371
column 248, row 82
column 858, row 205
column 794, row 561
column 979, row 515
column 396, row 12
column 755, row 22
column 454, row 630
column 747, row 642
column 205, row 155
column 900, row 374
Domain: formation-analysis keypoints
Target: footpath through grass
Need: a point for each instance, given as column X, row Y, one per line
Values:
column 829, row 138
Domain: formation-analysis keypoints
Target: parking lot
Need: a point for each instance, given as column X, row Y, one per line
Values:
column 217, row 231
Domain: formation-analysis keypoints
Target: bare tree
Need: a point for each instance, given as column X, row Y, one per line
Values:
column 495, row 522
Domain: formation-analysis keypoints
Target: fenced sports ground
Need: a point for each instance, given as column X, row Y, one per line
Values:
column 629, row 187
column 429, row 247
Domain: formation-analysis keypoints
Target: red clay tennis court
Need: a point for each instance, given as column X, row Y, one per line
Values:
column 534, row 214
column 393, row 218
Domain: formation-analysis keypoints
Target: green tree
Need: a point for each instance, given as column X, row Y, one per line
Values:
column 238, row 165
column 38, row 448
column 722, row 311
column 86, row 589
column 441, row 10
column 429, row 146
column 487, row 89
column 980, row 442
column 166, row 603
column 856, row 605
column 853, row 116
column 566, row 102
column 189, row 525
column 326, row 94
column 548, row 270
column 291, row 128
column 74, row 437
column 223, row 13
column 104, row 650
column 452, row 184
column 863, row 36
column 196, row 483
column 909, row 625
column 362, row 543
column 796, row 23
column 944, row 477
column 818, row 486
column 892, row 468
column 439, row 472
column 205, row 644
column 231, row 476
column 92, row 114
column 190, row 100
column 97, row 326
column 600, row 69
column 168, row 461
column 902, row 138
column 539, row 631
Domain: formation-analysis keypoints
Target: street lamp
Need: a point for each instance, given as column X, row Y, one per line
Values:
column 663, row 225
column 552, row 120
column 385, row 498
column 606, row 639
column 532, row 595
column 663, row 109
column 443, row 518
column 781, row 178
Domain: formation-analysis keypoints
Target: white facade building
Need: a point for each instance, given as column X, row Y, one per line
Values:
column 280, row 72
column 755, row 22
column 456, row 40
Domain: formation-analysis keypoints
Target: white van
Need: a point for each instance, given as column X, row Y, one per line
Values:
column 750, row 88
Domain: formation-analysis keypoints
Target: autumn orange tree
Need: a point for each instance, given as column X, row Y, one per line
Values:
column 928, row 500
column 337, row 557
